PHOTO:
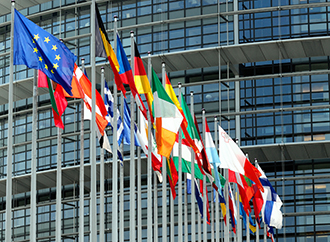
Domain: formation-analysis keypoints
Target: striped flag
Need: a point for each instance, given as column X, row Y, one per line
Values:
column 108, row 101
column 167, row 118
column 141, row 80
column 125, row 72
column 104, row 49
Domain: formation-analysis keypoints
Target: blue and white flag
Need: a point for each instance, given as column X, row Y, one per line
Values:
column 198, row 195
column 127, row 127
column 271, row 213
column 213, row 156
column 108, row 101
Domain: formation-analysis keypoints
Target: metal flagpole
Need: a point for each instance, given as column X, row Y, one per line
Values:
column 121, row 186
column 93, row 210
column 115, row 156
column 217, row 204
column 33, row 210
column 58, row 187
column 199, row 222
column 102, row 216
column 185, row 209
column 204, row 188
column 155, row 206
column 132, row 160
column 257, row 232
column 226, row 227
column 239, row 225
column 81, row 168
column 248, row 228
column 164, row 190
column 192, row 195
column 139, row 196
column 257, row 225
column 265, row 232
column 149, row 176
column 180, row 237
column 9, row 182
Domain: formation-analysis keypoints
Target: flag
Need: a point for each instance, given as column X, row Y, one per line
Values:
column 186, row 154
column 206, row 164
column 170, row 91
column 213, row 156
column 271, row 213
column 38, row 49
column 198, row 195
column 232, row 208
column 207, row 199
column 100, row 110
column 61, row 104
column 191, row 134
column 141, row 80
column 57, row 98
column 270, row 233
column 236, row 178
column 257, row 203
column 167, row 118
column 172, row 175
column 104, row 49
column 104, row 141
column 127, row 127
column 108, row 101
column 252, row 225
column 184, row 124
column 142, row 135
column 125, row 72
column 232, row 157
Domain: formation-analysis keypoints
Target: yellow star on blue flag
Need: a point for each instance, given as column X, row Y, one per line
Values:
column 38, row 49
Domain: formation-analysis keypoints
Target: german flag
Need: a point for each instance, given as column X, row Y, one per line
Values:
column 104, row 49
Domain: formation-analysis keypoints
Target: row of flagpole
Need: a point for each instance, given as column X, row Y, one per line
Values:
column 133, row 193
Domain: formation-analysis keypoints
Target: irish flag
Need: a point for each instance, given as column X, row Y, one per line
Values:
column 167, row 118
column 233, row 158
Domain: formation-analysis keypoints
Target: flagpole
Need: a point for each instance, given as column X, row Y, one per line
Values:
column 180, row 179
column 149, row 176
column 239, row 225
column 33, row 191
column 9, row 182
column 82, row 168
column 121, row 186
column 171, row 211
column 217, row 204
column 247, row 222
column 185, row 208
column 102, row 220
column 164, row 191
column 248, row 227
column 115, row 157
column 192, row 195
column 226, row 227
column 132, row 159
column 258, row 232
column 204, row 188
column 58, row 187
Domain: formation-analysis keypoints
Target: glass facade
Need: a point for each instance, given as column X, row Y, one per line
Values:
column 277, row 109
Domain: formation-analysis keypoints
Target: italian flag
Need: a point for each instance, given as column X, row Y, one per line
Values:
column 167, row 118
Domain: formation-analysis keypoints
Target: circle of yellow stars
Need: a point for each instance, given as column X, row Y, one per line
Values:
column 54, row 48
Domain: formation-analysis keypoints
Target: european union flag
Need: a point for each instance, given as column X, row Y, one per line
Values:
column 38, row 49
